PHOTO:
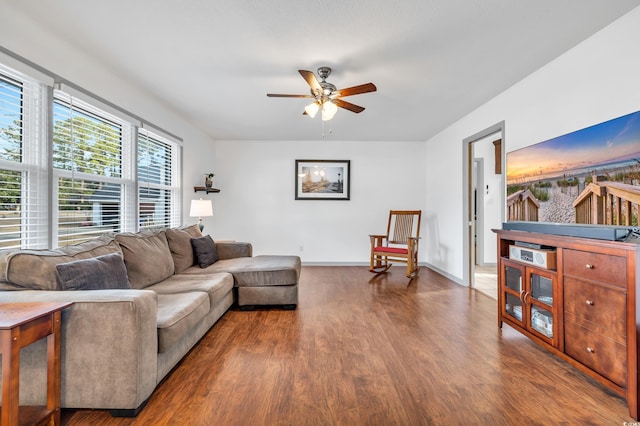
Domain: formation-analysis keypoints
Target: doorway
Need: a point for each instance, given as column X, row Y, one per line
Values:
column 483, row 206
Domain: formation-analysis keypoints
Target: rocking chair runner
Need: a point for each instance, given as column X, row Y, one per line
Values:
column 399, row 244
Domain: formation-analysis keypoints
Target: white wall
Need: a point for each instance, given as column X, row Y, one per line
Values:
column 594, row 82
column 257, row 199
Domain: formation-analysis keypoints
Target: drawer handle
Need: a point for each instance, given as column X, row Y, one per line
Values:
column 589, row 266
column 590, row 349
column 590, row 302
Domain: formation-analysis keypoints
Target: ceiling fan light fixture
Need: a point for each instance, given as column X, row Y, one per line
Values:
column 326, row 97
column 329, row 109
column 312, row 109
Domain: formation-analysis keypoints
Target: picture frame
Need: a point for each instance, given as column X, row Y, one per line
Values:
column 323, row 179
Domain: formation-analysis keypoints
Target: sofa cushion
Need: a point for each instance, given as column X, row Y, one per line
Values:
column 204, row 250
column 217, row 286
column 179, row 240
column 36, row 269
column 256, row 271
column 98, row 273
column 147, row 257
column 178, row 314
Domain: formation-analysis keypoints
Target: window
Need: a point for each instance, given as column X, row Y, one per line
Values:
column 74, row 167
column 23, row 210
column 88, row 170
column 10, row 150
column 158, row 187
column 11, row 119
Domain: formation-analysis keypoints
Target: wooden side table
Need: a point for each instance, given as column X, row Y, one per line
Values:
column 20, row 325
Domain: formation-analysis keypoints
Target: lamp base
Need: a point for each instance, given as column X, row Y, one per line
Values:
column 200, row 224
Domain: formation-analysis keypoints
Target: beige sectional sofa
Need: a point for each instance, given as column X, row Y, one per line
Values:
column 119, row 342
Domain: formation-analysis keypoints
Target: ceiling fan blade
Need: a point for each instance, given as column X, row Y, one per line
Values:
column 278, row 95
column 312, row 81
column 356, row 90
column 348, row 105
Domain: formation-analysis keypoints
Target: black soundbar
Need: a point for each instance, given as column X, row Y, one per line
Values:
column 598, row 232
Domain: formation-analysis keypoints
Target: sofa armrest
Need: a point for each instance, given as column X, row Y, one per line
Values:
column 108, row 351
column 233, row 249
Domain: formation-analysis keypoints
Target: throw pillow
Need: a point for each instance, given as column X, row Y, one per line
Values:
column 205, row 250
column 98, row 273
column 179, row 240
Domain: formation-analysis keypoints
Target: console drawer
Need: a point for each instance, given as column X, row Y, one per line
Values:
column 600, row 353
column 605, row 308
column 594, row 266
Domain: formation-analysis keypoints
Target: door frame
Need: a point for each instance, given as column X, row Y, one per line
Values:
column 478, row 207
column 467, row 195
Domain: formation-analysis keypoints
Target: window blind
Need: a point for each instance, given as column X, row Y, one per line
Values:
column 158, row 186
column 23, row 208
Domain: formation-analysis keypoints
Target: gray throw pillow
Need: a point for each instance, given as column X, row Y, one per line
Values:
column 97, row 273
column 205, row 250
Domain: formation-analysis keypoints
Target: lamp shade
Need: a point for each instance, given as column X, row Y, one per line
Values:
column 201, row 208
column 312, row 109
column 329, row 109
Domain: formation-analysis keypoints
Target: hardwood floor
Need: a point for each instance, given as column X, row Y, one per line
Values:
column 363, row 351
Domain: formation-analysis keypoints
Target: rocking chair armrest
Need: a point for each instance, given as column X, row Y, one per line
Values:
column 377, row 239
column 413, row 243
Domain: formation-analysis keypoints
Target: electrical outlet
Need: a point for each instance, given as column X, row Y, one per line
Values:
column 301, row 248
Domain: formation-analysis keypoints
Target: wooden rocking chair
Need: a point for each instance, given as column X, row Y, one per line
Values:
column 399, row 244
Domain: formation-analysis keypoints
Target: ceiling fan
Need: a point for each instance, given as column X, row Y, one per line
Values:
column 326, row 97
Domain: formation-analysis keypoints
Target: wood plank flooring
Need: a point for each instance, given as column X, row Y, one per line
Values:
column 364, row 351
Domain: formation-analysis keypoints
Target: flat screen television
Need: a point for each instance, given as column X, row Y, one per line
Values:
column 588, row 180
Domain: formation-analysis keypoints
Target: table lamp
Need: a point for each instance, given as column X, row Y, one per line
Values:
column 201, row 208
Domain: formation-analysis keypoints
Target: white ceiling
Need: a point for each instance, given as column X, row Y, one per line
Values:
column 213, row 61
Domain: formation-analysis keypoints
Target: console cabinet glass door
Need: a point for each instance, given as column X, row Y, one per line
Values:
column 528, row 296
column 540, row 302
column 513, row 275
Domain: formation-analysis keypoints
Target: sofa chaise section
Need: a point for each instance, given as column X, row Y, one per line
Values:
column 260, row 280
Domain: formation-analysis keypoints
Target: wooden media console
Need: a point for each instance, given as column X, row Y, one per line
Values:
column 584, row 308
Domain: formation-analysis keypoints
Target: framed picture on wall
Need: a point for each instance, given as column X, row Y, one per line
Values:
column 323, row 179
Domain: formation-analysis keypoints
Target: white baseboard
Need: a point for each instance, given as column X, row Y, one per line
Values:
column 455, row 279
